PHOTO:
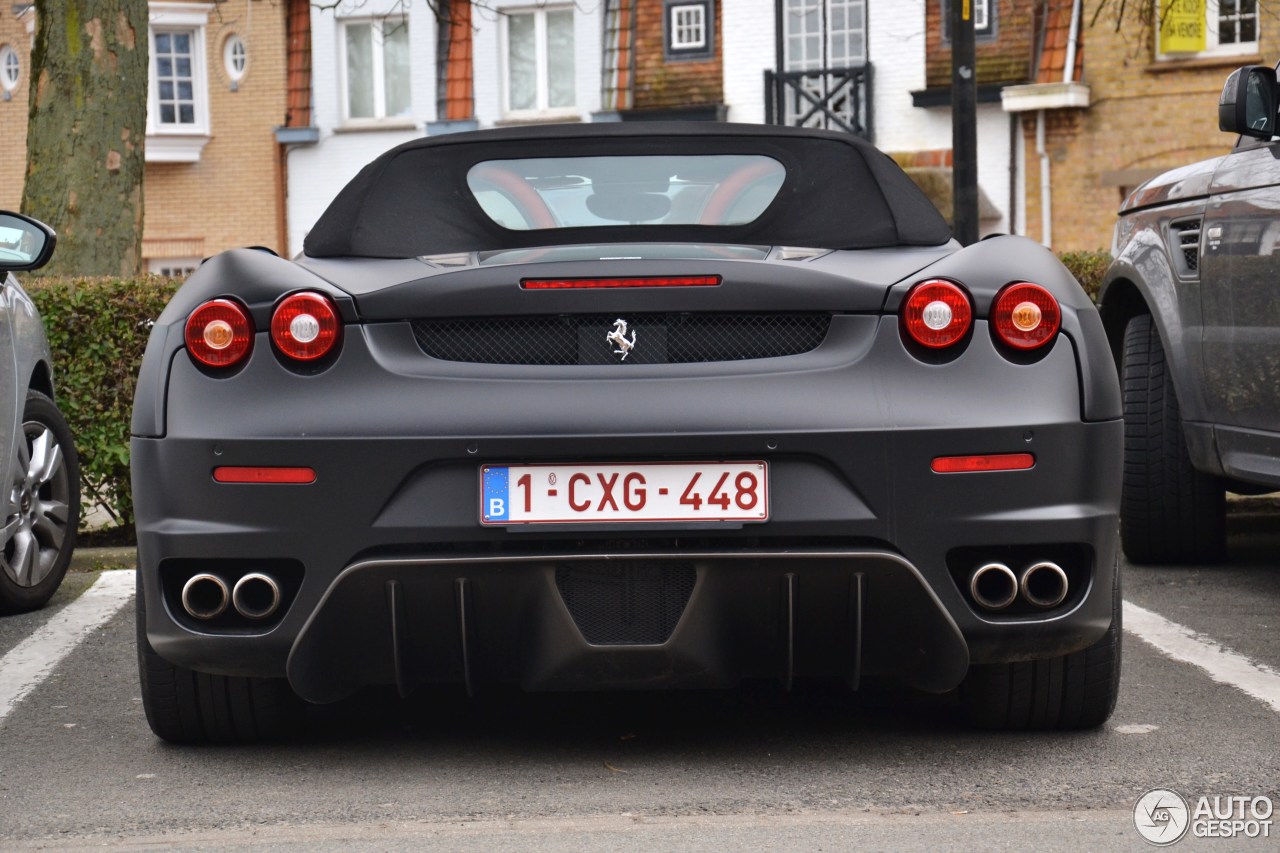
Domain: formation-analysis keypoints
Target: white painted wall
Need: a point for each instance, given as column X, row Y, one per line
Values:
column 749, row 47
column 318, row 172
column 896, row 46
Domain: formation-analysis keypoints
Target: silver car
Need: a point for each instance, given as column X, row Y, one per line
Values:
column 39, row 470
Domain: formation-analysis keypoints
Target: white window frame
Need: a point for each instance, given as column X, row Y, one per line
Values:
column 380, row 117
column 827, row 35
column 1212, row 48
column 543, row 85
column 8, row 53
column 680, row 28
column 173, row 267
column 981, row 15
column 179, row 143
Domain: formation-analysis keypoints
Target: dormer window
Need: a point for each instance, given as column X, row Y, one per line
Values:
column 689, row 29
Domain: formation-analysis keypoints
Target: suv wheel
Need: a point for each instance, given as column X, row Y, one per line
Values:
column 1169, row 511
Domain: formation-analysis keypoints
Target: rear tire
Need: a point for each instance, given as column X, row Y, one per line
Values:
column 1075, row 691
column 185, row 706
column 1169, row 511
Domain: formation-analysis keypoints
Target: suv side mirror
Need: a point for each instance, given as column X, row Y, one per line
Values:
column 1248, row 102
column 25, row 243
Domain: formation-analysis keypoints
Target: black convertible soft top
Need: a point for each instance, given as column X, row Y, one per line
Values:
column 840, row 192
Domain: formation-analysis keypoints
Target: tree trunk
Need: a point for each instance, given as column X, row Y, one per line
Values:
column 86, row 133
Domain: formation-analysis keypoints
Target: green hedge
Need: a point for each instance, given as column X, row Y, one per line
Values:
column 97, row 329
column 1088, row 268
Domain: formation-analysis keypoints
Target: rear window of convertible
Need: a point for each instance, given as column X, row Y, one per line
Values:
column 574, row 192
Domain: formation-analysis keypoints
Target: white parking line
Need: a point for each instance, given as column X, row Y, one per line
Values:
column 1221, row 664
column 28, row 663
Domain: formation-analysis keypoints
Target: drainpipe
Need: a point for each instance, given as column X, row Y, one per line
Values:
column 1069, row 71
column 1068, row 76
column 1046, row 194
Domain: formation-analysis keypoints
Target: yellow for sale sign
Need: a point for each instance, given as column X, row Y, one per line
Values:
column 1182, row 25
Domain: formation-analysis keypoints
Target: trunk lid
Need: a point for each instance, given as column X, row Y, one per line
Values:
column 752, row 279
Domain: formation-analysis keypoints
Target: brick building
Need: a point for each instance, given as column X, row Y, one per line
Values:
column 216, row 184
column 217, row 93
column 385, row 72
column 17, row 29
column 1151, row 105
column 664, row 60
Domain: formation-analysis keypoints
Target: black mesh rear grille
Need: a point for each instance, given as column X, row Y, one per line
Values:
column 657, row 338
column 626, row 603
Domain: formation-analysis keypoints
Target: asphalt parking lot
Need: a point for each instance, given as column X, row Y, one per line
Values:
column 756, row 768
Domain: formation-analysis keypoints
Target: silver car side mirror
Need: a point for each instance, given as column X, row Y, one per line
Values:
column 25, row 243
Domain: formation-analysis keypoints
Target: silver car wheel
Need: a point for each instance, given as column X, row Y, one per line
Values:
column 35, row 526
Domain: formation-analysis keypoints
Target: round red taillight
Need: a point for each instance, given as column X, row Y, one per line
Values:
column 937, row 313
column 305, row 326
column 1025, row 316
column 219, row 333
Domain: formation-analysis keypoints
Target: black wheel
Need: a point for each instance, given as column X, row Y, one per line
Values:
column 41, row 508
column 1169, row 511
column 185, row 706
column 1075, row 691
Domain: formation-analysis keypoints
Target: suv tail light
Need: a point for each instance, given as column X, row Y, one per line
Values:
column 1025, row 316
column 219, row 333
column 937, row 314
column 305, row 326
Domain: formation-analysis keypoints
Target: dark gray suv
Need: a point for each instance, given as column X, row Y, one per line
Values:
column 1191, row 304
column 39, row 474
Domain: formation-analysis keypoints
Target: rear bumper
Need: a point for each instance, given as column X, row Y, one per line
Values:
column 841, row 582
column 859, row 570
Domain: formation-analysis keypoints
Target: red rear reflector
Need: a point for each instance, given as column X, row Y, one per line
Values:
column 647, row 281
column 989, row 462
column 292, row 476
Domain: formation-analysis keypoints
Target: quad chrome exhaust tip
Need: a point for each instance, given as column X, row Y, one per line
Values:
column 256, row 596
column 994, row 586
column 1044, row 584
column 205, row 596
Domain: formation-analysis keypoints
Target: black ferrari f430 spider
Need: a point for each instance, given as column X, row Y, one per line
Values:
column 627, row 406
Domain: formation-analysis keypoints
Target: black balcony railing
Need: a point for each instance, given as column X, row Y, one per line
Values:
column 829, row 98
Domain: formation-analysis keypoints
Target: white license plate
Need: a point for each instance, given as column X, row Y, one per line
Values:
column 650, row 491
